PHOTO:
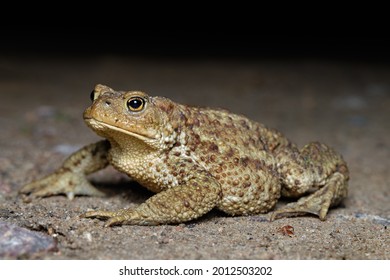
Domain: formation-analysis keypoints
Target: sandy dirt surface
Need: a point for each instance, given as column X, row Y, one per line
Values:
column 343, row 104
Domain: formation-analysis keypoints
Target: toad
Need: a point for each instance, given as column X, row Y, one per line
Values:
column 195, row 159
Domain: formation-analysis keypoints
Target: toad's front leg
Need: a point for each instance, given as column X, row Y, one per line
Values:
column 174, row 205
column 70, row 178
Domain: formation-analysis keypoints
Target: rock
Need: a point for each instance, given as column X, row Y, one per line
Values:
column 18, row 242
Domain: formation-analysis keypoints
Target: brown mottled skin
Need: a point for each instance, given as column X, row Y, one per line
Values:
column 196, row 159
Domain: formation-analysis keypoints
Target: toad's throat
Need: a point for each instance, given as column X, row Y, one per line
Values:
column 102, row 127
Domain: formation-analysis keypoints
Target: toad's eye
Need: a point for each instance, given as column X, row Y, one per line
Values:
column 135, row 104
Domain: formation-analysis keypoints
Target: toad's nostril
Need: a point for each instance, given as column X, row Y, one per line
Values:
column 108, row 103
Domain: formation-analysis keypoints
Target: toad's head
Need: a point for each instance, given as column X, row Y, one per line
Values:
column 129, row 117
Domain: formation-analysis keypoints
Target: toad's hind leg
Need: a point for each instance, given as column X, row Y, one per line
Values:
column 317, row 171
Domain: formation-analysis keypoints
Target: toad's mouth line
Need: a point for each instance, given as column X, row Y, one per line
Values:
column 99, row 125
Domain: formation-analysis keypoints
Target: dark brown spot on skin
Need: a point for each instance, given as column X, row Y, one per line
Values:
column 177, row 154
column 186, row 203
column 236, row 160
column 297, row 182
column 213, row 158
column 244, row 124
column 196, row 139
column 259, row 164
column 166, row 107
column 230, row 153
column 213, row 148
column 245, row 161
column 65, row 169
column 177, row 144
column 192, row 122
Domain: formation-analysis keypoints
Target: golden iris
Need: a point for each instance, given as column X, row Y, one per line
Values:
column 135, row 104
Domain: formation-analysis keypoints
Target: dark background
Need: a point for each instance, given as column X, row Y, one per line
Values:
column 216, row 43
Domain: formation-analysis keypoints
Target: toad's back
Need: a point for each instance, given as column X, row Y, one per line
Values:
column 238, row 152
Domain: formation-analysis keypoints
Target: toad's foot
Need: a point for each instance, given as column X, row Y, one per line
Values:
column 61, row 182
column 70, row 179
column 119, row 217
column 317, row 203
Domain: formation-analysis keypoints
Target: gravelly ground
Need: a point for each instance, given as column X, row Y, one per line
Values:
column 345, row 105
